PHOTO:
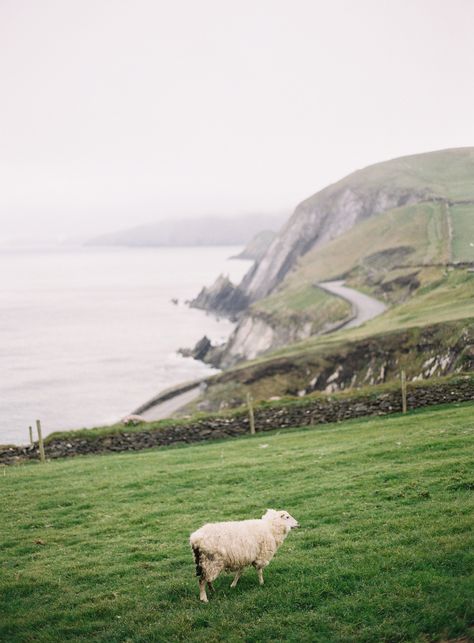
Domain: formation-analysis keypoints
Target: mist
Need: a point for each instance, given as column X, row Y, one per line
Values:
column 115, row 114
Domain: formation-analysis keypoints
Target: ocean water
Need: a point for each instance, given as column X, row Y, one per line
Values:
column 87, row 335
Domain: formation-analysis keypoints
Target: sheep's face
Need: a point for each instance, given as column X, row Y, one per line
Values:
column 283, row 517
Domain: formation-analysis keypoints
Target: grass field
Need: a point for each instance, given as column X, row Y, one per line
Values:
column 462, row 217
column 96, row 548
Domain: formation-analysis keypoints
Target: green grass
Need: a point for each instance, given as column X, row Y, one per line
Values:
column 444, row 173
column 300, row 304
column 96, row 548
column 462, row 217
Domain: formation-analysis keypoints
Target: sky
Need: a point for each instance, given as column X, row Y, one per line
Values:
column 115, row 113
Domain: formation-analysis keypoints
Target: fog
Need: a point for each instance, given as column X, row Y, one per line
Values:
column 116, row 113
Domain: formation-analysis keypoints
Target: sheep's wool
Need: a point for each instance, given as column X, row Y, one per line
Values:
column 231, row 546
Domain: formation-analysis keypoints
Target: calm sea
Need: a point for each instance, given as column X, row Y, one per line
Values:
column 88, row 335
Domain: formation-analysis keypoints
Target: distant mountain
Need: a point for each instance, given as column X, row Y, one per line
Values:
column 203, row 231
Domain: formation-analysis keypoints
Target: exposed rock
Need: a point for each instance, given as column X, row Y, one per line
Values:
column 448, row 347
column 222, row 297
column 258, row 333
column 199, row 351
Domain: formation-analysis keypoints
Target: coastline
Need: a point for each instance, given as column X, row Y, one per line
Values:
column 92, row 333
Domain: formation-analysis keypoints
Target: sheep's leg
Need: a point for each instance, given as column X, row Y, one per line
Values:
column 238, row 574
column 210, row 586
column 202, row 590
column 260, row 575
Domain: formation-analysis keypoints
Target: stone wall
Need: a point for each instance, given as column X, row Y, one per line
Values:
column 313, row 410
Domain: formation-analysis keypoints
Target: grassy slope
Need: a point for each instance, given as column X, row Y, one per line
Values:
column 445, row 173
column 419, row 226
column 385, row 551
column 462, row 217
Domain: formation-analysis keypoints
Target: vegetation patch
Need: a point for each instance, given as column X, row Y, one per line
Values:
column 462, row 218
column 96, row 548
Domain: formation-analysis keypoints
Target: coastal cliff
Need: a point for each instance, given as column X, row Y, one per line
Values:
column 275, row 303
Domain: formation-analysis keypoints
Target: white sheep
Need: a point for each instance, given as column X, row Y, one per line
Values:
column 231, row 546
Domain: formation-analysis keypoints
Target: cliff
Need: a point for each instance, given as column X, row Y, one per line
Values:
column 414, row 202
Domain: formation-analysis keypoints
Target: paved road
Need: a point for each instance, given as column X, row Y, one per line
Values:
column 167, row 408
column 365, row 307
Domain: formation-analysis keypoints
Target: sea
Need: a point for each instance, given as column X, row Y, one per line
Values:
column 89, row 334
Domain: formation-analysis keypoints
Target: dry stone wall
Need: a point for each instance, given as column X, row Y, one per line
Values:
column 311, row 411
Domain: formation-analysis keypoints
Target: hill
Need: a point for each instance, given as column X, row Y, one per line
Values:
column 444, row 176
column 202, row 231
column 389, row 230
column 99, row 548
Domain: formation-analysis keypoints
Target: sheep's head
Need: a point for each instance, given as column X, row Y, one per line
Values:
column 281, row 517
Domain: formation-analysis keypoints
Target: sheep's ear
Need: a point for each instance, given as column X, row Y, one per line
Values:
column 270, row 512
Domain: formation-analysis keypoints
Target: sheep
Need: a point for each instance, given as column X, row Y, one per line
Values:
column 231, row 546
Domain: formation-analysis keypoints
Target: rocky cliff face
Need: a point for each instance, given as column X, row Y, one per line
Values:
column 255, row 335
column 223, row 297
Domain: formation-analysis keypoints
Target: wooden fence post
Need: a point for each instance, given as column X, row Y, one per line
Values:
column 251, row 416
column 31, row 436
column 404, row 391
column 40, row 441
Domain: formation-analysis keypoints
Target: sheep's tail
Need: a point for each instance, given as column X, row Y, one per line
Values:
column 197, row 559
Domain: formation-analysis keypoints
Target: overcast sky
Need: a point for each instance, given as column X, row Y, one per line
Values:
column 117, row 112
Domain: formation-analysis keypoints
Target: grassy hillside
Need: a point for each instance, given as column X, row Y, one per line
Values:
column 417, row 233
column 462, row 217
column 444, row 173
column 96, row 548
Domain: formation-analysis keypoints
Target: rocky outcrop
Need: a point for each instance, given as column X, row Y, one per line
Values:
column 200, row 350
column 258, row 333
column 223, row 298
column 316, row 410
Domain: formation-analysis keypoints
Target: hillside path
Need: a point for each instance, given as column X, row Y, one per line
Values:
column 166, row 409
column 364, row 307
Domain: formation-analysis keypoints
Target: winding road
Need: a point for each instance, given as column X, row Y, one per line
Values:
column 364, row 307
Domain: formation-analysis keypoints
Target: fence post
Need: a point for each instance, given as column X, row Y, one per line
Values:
column 251, row 416
column 40, row 441
column 31, row 436
column 404, row 391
